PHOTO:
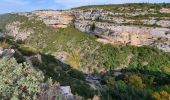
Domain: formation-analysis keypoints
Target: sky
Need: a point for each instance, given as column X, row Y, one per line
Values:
column 7, row 6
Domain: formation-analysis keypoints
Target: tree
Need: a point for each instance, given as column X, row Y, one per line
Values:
column 136, row 81
column 163, row 95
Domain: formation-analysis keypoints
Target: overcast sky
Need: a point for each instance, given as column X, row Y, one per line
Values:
column 7, row 6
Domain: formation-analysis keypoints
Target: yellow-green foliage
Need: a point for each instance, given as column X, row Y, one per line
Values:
column 73, row 59
column 166, row 69
column 136, row 81
column 27, row 50
column 163, row 95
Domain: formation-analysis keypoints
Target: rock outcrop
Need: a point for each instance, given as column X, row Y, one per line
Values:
column 165, row 10
column 121, row 30
column 138, row 27
column 56, row 19
column 13, row 29
column 2, row 35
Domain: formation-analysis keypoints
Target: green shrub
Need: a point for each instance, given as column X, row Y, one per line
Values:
column 19, row 81
column 27, row 50
column 121, row 91
column 136, row 81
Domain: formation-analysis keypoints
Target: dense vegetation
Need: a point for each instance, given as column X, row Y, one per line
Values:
column 144, row 70
column 20, row 81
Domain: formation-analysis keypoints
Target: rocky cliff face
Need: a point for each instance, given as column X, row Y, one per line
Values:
column 13, row 29
column 56, row 19
column 127, row 27
column 141, row 26
column 20, row 27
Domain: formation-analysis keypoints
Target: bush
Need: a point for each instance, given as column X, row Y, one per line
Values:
column 19, row 81
column 136, row 81
column 163, row 95
column 27, row 50
column 121, row 91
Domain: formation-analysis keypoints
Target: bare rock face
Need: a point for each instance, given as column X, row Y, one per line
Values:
column 133, row 35
column 54, row 91
column 121, row 30
column 66, row 90
column 165, row 10
column 62, row 56
column 164, row 23
column 56, row 19
column 84, row 26
column 2, row 35
column 96, row 98
column 1, row 51
column 6, row 52
column 13, row 29
column 107, row 16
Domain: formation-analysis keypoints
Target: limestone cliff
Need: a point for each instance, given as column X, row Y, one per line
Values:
column 126, row 27
column 122, row 26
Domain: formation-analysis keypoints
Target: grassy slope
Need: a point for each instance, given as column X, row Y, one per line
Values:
column 92, row 55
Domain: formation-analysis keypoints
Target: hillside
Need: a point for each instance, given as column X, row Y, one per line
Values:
column 112, row 51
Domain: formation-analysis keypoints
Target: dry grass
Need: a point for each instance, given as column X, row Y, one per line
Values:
column 73, row 59
column 4, row 44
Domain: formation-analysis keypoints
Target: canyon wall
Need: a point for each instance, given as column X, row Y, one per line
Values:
column 153, row 31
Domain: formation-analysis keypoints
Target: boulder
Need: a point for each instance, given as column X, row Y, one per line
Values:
column 165, row 10
column 8, row 52
column 2, row 35
column 62, row 56
column 66, row 90
column 14, row 30
column 1, row 51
